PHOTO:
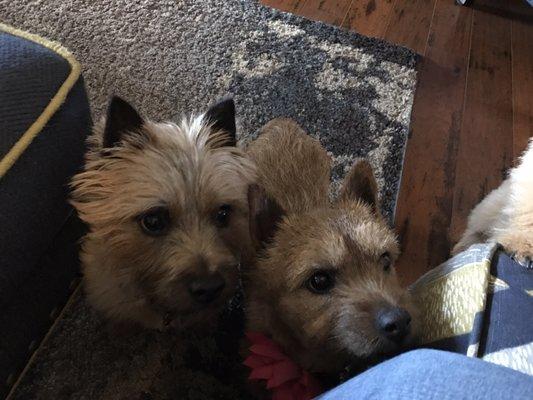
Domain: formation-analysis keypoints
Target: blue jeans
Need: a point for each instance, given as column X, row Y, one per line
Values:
column 438, row 375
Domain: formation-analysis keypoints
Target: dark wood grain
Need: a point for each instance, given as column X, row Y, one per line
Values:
column 369, row 17
column 329, row 11
column 522, row 56
column 426, row 194
column 486, row 140
column 410, row 22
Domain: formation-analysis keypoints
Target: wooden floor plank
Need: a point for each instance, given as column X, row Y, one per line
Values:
column 410, row 22
column 522, row 56
column 285, row 5
column 369, row 17
column 329, row 11
column 425, row 198
column 486, row 140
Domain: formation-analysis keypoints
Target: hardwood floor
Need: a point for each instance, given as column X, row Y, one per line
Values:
column 472, row 113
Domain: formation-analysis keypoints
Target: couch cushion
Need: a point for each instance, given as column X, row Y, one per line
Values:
column 44, row 120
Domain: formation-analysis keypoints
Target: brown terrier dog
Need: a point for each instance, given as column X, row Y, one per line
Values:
column 323, row 286
column 167, row 210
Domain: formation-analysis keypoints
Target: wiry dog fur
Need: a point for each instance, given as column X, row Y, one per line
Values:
column 505, row 216
column 302, row 235
column 139, row 173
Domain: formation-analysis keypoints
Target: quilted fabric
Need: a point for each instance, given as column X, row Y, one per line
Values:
column 479, row 304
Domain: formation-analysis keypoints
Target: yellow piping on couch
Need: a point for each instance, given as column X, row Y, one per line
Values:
column 25, row 140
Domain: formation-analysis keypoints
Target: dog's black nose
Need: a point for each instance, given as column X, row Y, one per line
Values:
column 207, row 288
column 394, row 323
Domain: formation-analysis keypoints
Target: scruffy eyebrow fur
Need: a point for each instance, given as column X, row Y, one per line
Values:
column 127, row 181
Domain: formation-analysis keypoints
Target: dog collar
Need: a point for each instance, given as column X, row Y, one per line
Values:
column 286, row 379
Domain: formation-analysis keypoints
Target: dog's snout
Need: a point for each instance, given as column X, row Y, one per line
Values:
column 205, row 289
column 394, row 323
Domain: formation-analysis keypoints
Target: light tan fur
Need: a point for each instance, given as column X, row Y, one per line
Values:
column 322, row 332
column 132, row 277
column 505, row 216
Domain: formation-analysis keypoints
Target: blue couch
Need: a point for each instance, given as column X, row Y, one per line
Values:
column 44, row 120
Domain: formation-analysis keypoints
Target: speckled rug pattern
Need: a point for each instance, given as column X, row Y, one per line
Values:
column 170, row 57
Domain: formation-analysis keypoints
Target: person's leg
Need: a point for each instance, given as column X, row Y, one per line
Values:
column 432, row 374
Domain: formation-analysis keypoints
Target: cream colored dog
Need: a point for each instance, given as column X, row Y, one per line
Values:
column 505, row 216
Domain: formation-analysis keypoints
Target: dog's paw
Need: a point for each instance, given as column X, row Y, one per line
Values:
column 519, row 246
column 524, row 259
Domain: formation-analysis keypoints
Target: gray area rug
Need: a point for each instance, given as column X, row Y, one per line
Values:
column 170, row 57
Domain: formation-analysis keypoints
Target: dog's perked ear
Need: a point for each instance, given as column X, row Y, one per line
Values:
column 265, row 215
column 221, row 116
column 360, row 184
column 121, row 119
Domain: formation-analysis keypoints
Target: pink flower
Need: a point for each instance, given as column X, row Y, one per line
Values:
column 283, row 377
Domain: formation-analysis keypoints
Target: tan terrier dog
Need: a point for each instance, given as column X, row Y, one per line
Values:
column 167, row 211
column 324, row 286
column 505, row 215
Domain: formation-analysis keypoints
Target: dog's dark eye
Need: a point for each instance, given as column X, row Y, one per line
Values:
column 155, row 222
column 385, row 261
column 321, row 282
column 222, row 215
